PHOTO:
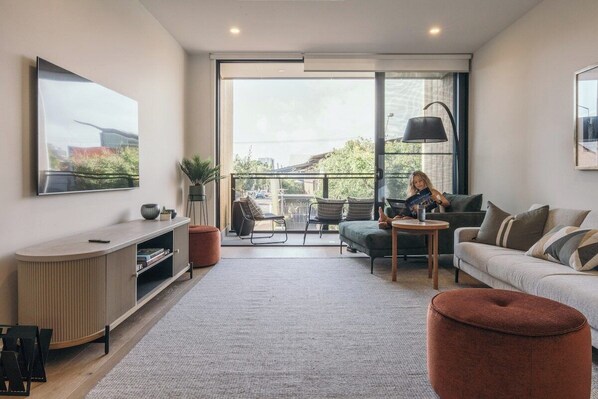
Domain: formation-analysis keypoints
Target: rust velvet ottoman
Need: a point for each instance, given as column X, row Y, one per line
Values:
column 204, row 245
column 489, row 343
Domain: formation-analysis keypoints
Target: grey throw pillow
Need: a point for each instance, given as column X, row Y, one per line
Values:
column 256, row 211
column 330, row 209
column 360, row 208
column 463, row 203
column 519, row 231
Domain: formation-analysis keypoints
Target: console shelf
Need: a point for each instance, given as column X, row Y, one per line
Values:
column 83, row 289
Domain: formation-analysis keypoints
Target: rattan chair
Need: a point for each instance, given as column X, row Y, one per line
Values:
column 250, row 218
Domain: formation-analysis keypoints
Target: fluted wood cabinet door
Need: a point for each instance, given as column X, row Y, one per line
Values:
column 121, row 277
column 67, row 296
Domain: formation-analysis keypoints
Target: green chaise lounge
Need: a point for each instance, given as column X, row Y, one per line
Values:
column 368, row 238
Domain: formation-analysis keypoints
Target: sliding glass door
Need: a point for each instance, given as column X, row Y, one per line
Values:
column 401, row 96
column 286, row 135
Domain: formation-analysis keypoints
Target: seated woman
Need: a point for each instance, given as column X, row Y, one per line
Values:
column 418, row 181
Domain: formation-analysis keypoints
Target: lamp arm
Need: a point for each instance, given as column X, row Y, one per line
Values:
column 450, row 114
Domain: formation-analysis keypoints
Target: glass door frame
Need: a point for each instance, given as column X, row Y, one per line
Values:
column 460, row 113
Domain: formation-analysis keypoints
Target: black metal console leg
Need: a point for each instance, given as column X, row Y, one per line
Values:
column 190, row 270
column 456, row 275
column 371, row 265
column 106, row 339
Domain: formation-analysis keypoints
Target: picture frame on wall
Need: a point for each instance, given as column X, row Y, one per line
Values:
column 586, row 118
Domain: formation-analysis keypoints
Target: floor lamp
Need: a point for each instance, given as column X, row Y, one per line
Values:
column 430, row 129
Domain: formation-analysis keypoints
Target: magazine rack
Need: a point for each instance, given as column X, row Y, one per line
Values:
column 22, row 359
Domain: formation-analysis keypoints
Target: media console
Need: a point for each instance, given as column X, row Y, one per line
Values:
column 83, row 289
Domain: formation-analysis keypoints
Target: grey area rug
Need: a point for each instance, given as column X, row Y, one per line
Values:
column 286, row 328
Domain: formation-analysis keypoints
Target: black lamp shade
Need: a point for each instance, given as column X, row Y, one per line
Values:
column 424, row 129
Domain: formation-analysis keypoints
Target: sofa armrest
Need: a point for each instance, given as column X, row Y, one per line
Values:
column 465, row 234
column 456, row 220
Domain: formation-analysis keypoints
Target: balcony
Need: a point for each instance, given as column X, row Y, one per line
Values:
column 290, row 193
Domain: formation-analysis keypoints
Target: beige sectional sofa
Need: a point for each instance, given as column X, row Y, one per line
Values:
column 511, row 269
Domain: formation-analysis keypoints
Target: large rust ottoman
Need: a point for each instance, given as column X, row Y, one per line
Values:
column 204, row 245
column 487, row 343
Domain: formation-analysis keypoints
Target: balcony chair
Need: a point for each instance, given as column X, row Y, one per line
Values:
column 252, row 213
column 327, row 212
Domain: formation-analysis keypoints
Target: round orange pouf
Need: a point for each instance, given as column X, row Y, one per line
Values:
column 487, row 343
column 204, row 245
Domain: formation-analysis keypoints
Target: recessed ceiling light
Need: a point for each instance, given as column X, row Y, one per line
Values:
column 280, row 70
column 434, row 30
column 235, row 30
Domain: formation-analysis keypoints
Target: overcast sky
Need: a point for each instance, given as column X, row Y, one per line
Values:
column 290, row 120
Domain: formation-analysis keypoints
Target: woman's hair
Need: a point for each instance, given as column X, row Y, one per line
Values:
column 411, row 190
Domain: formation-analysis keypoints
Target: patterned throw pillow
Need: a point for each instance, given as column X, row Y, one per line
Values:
column 360, row 208
column 512, row 231
column 256, row 211
column 568, row 245
column 330, row 209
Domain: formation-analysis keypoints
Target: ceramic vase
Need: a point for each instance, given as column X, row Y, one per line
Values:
column 150, row 211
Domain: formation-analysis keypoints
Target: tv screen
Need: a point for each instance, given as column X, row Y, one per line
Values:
column 88, row 136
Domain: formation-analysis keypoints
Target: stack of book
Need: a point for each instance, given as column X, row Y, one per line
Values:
column 149, row 256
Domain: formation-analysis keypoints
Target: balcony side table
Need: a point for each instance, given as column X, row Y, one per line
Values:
column 414, row 226
column 203, row 208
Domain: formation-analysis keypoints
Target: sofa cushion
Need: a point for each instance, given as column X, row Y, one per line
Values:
column 577, row 289
column 479, row 255
column 463, row 203
column 564, row 217
column 369, row 235
column 590, row 221
column 568, row 245
column 512, row 231
column 524, row 272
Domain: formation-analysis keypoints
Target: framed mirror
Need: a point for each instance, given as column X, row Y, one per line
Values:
column 586, row 118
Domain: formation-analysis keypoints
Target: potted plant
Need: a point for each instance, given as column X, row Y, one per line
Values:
column 200, row 172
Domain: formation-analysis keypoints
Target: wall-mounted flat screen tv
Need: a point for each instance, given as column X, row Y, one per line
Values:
column 88, row 136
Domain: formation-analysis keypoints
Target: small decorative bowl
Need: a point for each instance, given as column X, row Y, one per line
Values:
column 150, row 211
column 172, row 213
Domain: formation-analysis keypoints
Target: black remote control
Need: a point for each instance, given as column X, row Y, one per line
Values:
column 100, row 241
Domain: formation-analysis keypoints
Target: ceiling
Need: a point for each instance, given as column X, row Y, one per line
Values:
column 336, row 26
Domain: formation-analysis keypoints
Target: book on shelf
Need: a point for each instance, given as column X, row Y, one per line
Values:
column 145, row 254
column 142, row 264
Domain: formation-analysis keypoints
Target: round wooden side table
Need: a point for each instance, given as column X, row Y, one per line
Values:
column 414, row 226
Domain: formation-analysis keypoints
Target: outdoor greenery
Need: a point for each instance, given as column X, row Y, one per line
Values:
column 249, row 165
column 356, row 156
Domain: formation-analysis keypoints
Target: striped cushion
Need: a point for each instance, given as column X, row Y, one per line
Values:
column 360, row 208
column 330, row 209
column 512, row 231
column 256, row 211
column 569, row 245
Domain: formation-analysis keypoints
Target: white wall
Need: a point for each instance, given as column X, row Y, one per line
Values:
column 521, row 125
column 200, row 108
column 118, row 44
